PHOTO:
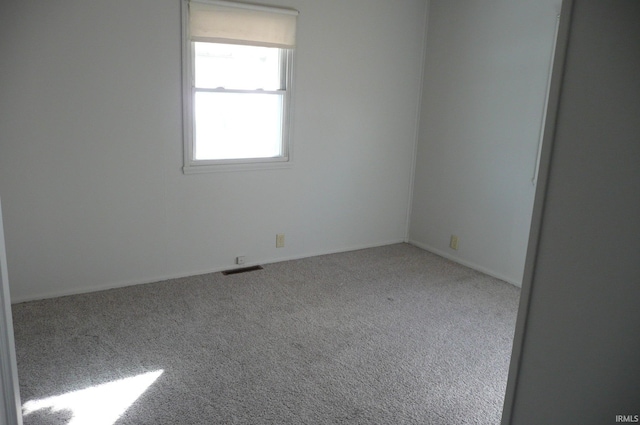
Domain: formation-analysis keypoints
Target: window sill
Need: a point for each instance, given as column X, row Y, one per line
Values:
column 223, row 166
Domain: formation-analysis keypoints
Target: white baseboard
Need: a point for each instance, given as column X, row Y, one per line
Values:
column 328, row 252
column 466, row 263
column 123, row 284
column 160, row 278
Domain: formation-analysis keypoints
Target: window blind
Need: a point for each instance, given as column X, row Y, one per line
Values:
column 240, row 23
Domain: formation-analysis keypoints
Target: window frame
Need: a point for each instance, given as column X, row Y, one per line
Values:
column 192, row 165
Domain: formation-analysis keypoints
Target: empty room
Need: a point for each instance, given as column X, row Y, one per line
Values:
column 319, row 212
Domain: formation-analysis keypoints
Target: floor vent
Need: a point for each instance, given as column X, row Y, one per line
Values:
column 242, row 270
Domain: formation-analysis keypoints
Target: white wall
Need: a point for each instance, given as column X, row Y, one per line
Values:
column 486, row 74
column 577, row 344
column 91, row 150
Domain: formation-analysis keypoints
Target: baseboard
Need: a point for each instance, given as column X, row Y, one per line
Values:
column 465, row 263
column 124, row 284
column 329, row 252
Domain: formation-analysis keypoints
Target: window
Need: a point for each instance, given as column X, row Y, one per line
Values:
column 237, row 63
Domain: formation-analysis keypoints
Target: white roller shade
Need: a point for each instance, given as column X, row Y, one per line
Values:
column 238, row 23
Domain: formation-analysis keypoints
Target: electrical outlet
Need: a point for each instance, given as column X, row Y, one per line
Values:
column 280, row 240
column 240, row 259
column 454, row 242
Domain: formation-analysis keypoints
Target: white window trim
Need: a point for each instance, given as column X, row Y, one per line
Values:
column 192, row 166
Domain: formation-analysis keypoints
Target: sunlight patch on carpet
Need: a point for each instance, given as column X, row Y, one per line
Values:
column 98, row 405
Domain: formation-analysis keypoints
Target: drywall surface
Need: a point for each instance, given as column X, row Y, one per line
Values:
column 91, row 144
column 486, row 73
column 580, row 344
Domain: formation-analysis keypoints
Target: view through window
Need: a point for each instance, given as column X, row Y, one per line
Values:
column 238, row 101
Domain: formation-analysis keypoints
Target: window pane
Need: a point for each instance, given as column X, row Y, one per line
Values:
column 237, row 125
column 236, row 67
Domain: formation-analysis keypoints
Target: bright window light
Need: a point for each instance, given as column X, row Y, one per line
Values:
column 98, row 405
column 233, row 66
column 234, row 125
column 239, row 99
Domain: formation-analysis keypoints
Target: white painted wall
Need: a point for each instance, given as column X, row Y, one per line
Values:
column 91, row 149
column 577, row 344
column 486, row 74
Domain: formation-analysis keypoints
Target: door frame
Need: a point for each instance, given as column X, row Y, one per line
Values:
column 9, row 390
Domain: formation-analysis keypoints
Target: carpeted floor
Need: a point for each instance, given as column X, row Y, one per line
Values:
column 389, row 335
